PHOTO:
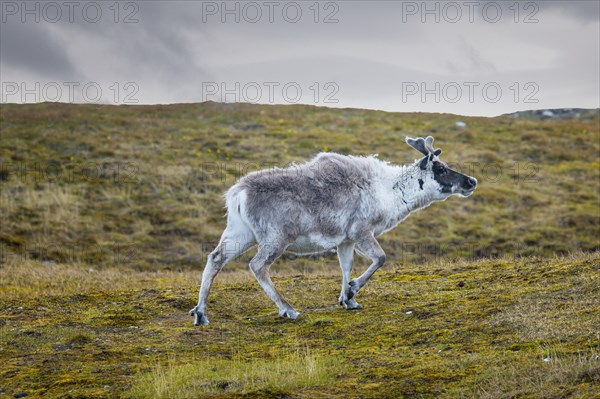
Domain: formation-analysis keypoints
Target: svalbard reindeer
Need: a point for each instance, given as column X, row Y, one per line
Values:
column 332, row 201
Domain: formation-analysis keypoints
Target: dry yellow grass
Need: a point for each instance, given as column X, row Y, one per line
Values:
column 452, row 329
column 208, row 378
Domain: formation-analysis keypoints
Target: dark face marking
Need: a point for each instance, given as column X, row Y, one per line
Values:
column 423, row 163
column 421, row 184
column 448, row 179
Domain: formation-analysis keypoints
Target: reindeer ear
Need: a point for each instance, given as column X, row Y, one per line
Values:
column 437, row 152
column 418, row 144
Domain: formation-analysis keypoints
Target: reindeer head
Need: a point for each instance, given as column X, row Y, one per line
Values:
column 437, row 177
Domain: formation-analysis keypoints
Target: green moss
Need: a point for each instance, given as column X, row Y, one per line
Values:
column 434, row 330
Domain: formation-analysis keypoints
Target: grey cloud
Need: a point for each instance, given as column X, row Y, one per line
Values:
column 158, row 44
column 171, row 52
column 33, row 47
column 584, row 11
column 473, row 61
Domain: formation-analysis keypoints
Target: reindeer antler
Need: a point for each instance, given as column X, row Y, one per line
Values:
column 418, row 144
column 424, row 146
column 429, row 144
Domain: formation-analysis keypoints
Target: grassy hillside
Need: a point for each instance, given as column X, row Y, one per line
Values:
column 107, row 214
column 484, row 329
column 142, row 186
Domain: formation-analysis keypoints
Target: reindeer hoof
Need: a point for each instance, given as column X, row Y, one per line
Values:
column 351, row 304
column 200, row 318
column 354, row 287
column 289, row 313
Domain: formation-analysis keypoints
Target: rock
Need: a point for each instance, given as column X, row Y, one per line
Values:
column 20, row 395
column 460, row 124
column 556, row 113
column 547, row 113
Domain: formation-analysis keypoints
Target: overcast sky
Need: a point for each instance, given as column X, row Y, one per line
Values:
column 471, row 58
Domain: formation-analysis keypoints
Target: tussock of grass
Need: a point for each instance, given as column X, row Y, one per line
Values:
column 21, row 280
column 549, row 375
column 281, row 374
column 27, row 278
column 545, row 316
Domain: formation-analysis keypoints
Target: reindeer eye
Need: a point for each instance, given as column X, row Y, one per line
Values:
column 441, row 170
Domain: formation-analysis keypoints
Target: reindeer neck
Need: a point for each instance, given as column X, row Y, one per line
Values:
column 408, row 188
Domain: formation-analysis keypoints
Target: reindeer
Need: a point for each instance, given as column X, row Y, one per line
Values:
column 331, row 202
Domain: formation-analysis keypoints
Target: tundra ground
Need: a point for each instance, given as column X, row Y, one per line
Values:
column 107, row 214
column 499, row 328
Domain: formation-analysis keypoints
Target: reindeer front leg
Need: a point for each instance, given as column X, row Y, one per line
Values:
column 370, row 247
column 346, row 256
